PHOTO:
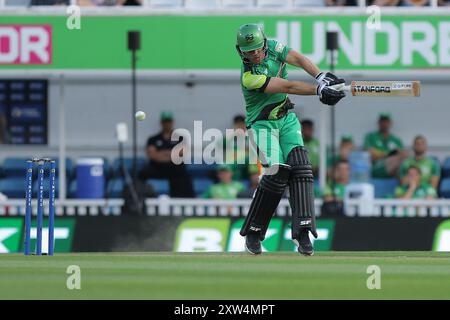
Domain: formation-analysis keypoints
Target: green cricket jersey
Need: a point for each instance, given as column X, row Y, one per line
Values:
column 428, row 168
column 313, row 148
column 255, row 78
column 377, row 141
column 424, row 190
column 339, row 191
column 224, row 190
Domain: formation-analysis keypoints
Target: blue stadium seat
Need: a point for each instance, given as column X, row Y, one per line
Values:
column 161, row 186
column 384, row 187
column 200, row 170
column 15, row 167
column 446, row 168
column 115, row 188
column 201, row 185
column 13, row 187
column 444, row 190
column 128, row 163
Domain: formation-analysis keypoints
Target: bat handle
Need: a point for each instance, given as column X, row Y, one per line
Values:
column 342, row 87
column 347, row 88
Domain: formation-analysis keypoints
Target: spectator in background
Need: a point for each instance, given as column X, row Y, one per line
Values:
column 130, row 2
column 345, row 148
column 161, row 166
column 386, row 150
column 443, row 3
column 50, row 2
column 383, row 3
column 237, row 155
column 109, row 2
column 340, row 3
column 342, row 174
column 311, row 144
column 254, row 173
column 226, row 188
column 415, row 3
column 429, row 168
column 414, row 188
column 394, row 3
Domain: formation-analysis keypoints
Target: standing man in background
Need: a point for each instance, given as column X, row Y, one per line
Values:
column 276, row 135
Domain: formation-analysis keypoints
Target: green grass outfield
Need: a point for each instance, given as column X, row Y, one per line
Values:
column 327, row 275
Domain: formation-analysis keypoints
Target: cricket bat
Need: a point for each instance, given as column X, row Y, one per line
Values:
column 382, row 88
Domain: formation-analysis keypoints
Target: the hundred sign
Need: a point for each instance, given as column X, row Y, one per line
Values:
column 208, row 42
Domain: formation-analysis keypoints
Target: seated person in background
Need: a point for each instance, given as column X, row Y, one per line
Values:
column 311, row 144
column 160, row 166
column 226, row 188
column 85, row 3
column 383, row 3
column 414, row 188
column 386, row 150
column 340, row 3
column 129, row 2
column 253, row 171
column 342, row 175
column 345, row 148
column 236, row 148
column 429, row 168
column 49, row 2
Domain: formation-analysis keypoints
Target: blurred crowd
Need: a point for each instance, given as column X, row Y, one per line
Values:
column 417, row 174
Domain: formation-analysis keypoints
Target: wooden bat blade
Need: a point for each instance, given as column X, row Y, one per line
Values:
column 384, row 88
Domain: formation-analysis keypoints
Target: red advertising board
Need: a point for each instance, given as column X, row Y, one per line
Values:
column 25, row 44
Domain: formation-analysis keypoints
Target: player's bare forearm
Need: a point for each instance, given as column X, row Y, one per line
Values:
column 278, row 85
column 296, row 59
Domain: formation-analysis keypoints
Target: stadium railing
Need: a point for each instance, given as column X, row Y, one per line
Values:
column 165, row 206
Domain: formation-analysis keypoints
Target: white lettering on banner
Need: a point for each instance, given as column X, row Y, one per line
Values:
column 404, row 41
column 351, row 46
column 25, row 44
column 373, row 58
column 5, row 233
column 444, row 43
column 444, row 241
column 200, row 240
column 28, row 46
column 423, row 46
column 59, row 233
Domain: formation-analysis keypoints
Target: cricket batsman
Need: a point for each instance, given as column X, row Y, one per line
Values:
column 265, row 87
